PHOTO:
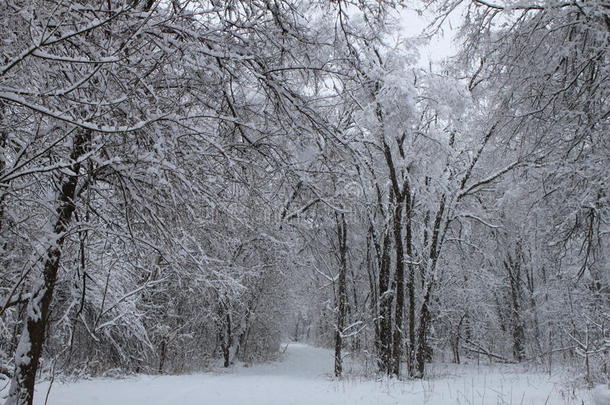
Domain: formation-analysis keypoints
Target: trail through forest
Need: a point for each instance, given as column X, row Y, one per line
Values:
column 303, row 377
column 185, row 185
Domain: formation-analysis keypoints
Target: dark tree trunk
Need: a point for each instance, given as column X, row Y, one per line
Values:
column 227, row 341
column 242, row 342
column 399, row 277
column 411, row 279
column 385, row 308
column 296, row 329
column 356, row 340
column 29, row 349
column 422, row 337
column 424, row 351
column 374, row 291
column 455, row 340
column 342, row 292
column 513, row 268
column 162, row 353
column 455, row 348
column 534, row 308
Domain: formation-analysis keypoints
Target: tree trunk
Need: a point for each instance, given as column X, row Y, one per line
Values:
column 385, row 308
column 227, row 341
column 162, row 352
column 424, row 351
column 29, row 349
column 513, row 268
column 455, row 340
column 411, row 279
column 518, row 335
column 529, row 273
column 373, row 287
column 422, row 338
column 342, row 292
column 296, row 329
column 399, row 277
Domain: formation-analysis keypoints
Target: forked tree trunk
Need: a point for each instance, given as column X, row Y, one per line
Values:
column 424, row 351
column 29, row 349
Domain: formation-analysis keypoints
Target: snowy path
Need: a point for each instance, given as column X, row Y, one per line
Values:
column 302, row 378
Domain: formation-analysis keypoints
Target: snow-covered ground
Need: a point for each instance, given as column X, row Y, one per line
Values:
column 303, row 378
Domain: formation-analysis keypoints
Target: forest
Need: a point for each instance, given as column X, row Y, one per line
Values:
column 187, row 185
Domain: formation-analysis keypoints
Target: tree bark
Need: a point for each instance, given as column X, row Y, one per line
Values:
column 411, row 278
column 227, row 340
column 513, row 268
column 422, row 337
column 399, row 277
column 29, row 349
column 162, row 353
column 423, row 349
column 385, row 308
column 342, row 292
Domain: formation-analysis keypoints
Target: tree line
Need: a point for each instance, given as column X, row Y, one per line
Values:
column 187, row 181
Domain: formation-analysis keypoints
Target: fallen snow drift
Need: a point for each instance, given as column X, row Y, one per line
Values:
column 303, row 379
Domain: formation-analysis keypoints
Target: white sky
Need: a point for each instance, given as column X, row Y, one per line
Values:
column 440, row 47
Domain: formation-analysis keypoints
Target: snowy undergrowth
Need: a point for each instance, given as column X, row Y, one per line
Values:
column 304, row 377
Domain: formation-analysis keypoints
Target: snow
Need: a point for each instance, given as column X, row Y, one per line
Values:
column 601, row 395
column 303, row 377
